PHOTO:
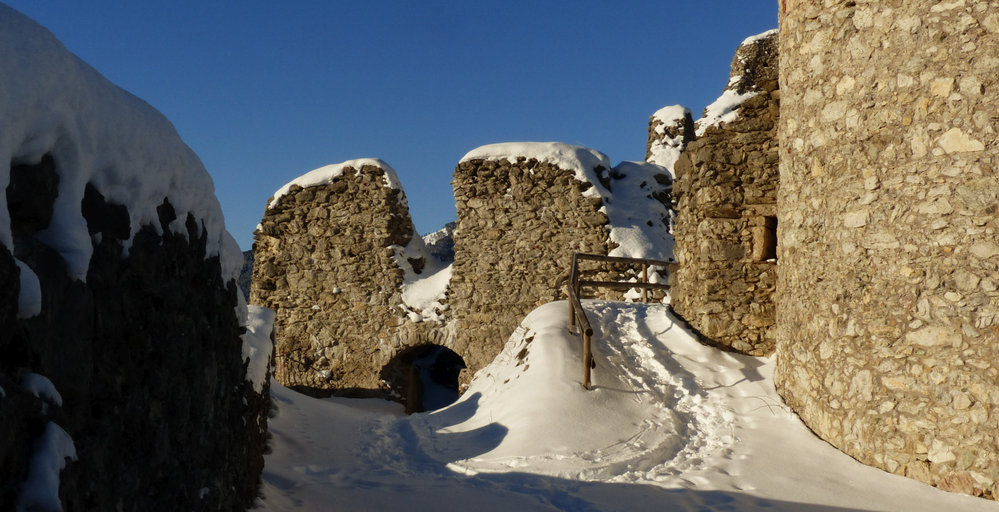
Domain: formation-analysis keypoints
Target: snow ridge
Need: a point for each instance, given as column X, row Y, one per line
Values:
column 54, row 103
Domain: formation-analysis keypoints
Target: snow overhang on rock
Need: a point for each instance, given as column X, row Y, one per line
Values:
column 51, row 102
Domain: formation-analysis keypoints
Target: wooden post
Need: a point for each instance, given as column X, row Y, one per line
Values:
column 645, row 279
column 572, row 316
column 587, row 360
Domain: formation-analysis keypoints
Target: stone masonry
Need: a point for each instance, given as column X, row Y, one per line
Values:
column 888, row 283
column 329, row 262
column 518, row 224
column 725, row 196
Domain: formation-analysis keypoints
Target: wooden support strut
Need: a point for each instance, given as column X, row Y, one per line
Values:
column 576, row 313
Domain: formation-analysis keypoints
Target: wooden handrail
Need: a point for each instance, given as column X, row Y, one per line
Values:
column 576, row 313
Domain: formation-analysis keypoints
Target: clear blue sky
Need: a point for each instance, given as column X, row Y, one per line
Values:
column 266, row 91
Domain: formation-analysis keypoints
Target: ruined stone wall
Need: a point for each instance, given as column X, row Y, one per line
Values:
column 123, row 384
column 146, row 355
column 518, row 225
column 888, row 308
column 725, row 196
column 328, row 261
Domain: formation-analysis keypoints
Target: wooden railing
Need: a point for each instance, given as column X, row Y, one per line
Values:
column 576, row 313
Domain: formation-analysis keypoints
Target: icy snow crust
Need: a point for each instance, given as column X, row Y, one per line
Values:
column 670, row 425
column 329, row 173
column 52, row 102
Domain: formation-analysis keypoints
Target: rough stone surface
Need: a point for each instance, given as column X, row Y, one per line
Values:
column 518, row 226
column 146, row 355
column 326, row 260
column 325, row 263
column 725, row 196
column 888, row 309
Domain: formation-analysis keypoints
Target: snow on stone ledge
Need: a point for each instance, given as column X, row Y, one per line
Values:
column 53, row 102
column 40, row 491
column 581, row 160
column 758, row 37
column 329, row 173
column 42, row 387
column 665, row 151
column 257, row 345
column 724, row 110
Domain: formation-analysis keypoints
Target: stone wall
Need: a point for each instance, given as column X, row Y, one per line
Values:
column 123, row 383
column 329, row 260
column 520, row 219
column 888, row 308
column 147, row 358
column 725, row 196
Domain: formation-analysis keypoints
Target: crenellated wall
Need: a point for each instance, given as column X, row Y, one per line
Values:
column 888, row 307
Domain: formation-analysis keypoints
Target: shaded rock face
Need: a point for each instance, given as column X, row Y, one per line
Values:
column 325, row 263
column 440, row 243
column 725, row 197
column 146, row 355
column 518, row 226
column 888, row 307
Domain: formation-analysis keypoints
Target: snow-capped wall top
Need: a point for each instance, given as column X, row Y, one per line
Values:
column 329, row 173
column 51, row 102
column 670, row 115
column 581, row 160
column 670, row 140
column 741, row 84
column 758, row 37
column 638, row 222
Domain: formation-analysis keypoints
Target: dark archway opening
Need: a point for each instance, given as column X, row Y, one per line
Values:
column 425, row 377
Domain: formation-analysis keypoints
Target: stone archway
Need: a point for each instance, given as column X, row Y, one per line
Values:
column 424, row 377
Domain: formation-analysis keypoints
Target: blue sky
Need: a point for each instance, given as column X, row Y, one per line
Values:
column 266, row 91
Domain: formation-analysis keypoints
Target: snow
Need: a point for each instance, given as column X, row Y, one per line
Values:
column 52, row 102
column 724, row 110
column 758, row 37
column 42, row 387
column 29, row 298
column 329, row 173
column 581, row 160
column 670, row 425
column 40, row 491
column 667, row 152
column 422, row 294
column 257, row 345
column 636, row 219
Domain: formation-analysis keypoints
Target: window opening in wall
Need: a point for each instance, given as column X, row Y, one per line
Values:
column 770, row 242
column 764, row 233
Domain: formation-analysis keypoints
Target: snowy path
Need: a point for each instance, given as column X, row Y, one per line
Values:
column 670, row 425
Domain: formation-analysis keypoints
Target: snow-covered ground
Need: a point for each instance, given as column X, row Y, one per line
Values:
column 669, row 425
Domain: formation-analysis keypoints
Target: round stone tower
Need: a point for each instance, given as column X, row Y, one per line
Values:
column 888, row 309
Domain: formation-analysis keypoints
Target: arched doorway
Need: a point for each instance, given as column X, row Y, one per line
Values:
column 425, row 377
